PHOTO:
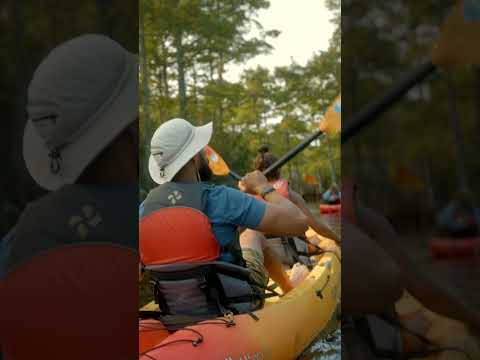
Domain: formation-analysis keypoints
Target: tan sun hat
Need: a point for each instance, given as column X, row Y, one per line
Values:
column 81, row 97
column 173, row 144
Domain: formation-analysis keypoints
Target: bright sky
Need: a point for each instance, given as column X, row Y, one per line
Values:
column 305, row 28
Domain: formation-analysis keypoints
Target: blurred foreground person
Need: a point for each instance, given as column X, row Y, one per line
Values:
column 69, row 288
column 377, row 278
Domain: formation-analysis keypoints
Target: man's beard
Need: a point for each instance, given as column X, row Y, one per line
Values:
column 204, row 171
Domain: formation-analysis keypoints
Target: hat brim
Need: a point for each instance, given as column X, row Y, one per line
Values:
column 77, row 156
column 201, row 138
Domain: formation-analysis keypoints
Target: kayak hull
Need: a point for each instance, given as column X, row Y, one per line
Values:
column 330, row 209
column 442, row 331
column 279, row 331
column 151, row 333
column 442, row 247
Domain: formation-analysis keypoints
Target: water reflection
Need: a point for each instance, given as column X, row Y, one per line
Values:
column 326, row 348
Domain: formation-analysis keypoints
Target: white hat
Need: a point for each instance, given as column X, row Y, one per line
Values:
column 81, row 97
column 173, row 144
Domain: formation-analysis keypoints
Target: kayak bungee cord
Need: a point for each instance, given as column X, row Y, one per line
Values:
column 319, row 292
column 216, row 321
column 195, row 342
column 228, row 322
column 319, row 249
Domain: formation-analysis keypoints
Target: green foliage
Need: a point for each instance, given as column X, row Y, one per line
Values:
column 385, row 41
column 188, row 46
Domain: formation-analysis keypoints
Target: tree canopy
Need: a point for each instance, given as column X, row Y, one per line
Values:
column 186, row 47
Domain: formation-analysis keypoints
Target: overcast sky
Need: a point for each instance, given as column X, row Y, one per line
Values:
column 305, row 28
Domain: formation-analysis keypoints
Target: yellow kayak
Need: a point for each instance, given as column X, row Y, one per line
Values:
column 441, row 331
column 281, row 330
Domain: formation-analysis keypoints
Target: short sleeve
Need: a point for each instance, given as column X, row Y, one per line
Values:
column 230, row 206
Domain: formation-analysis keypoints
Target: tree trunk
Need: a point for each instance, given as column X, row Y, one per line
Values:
column 164, row 66
column 146, row 98
column 180, row 58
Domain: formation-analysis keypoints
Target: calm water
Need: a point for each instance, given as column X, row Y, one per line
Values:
column 326, row 348
column 461, row 276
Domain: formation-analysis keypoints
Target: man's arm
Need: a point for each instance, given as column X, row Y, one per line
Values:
column 316, row 224
column 281, row 216
column 435, row 297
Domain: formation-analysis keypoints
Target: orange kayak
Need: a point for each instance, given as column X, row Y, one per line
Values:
column 281, row 330
column 150, row 333
column 330, row 209
column 443, row 247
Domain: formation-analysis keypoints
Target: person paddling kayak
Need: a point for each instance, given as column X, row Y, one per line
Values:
column 332, row 196
column 263, row 161
column 458, row 219
column 373, row 248
column 179, row 166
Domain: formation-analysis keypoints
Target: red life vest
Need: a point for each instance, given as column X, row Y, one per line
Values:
column 282, row 187
column 175, row 229
column 166, row 237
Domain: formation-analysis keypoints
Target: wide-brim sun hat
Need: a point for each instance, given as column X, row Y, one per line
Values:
column 81, row 97
column 173, row 145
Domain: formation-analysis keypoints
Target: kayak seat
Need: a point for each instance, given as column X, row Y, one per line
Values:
column 179, row 251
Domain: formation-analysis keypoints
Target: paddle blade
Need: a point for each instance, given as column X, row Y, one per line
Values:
column 332, row 121
column 408, row 181
column 216, row 163
column 458, row 40
column 310, row 179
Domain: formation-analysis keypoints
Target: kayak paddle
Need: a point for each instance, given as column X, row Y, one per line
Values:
column 457, row 44
column 218, row 166
column 330, row 124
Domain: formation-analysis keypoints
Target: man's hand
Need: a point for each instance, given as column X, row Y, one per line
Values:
column 253, row 183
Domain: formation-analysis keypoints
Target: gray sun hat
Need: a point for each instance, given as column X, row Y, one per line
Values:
column 81, row 97
column 173, row 144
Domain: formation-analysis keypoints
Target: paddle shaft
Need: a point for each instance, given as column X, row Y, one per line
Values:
column 372, row 110
column 234, row 175
column 292, row 153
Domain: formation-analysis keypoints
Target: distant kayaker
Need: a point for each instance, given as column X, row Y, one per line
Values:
column 179, row 166
column 332, row 195
column 458, row 219
column 263, row 161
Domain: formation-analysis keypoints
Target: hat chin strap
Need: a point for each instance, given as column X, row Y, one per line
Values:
column 199, row 178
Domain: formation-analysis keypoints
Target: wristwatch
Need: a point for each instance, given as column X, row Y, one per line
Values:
column 267, row 190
